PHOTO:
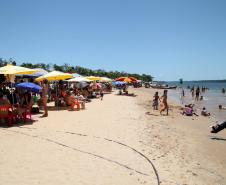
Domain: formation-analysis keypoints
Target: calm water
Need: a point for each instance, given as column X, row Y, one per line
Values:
column 212, row 97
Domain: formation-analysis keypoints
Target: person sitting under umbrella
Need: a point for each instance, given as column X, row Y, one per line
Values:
column 26, row 101
column 2, row 100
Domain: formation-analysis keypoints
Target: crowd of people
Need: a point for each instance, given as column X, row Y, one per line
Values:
column 189, row 108
column 60, row 92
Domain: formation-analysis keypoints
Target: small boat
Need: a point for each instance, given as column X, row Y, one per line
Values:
column 164, row 87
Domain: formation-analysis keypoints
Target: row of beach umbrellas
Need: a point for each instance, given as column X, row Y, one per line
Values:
column 54, row 75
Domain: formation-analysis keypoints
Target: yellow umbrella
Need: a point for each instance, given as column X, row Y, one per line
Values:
column 105, row 79
column 16, row 70
column 93, row 78
column 55, row 75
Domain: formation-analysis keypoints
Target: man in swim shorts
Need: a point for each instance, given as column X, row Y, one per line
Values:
column 156, row 103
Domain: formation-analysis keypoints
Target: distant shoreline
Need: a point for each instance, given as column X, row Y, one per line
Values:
column 196, row 81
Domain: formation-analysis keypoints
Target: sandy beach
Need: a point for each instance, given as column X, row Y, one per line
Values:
column 114, row 142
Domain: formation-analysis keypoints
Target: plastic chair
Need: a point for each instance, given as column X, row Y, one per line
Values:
column 73, row 103
column 27, row 112
column 64, row 94
column 4, row 113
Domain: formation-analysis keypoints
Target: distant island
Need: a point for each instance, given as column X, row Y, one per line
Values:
column 209, row 81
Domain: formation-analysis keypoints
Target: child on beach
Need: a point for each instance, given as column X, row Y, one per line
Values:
column 164, row 97
column 204, row 112
column 156, row 103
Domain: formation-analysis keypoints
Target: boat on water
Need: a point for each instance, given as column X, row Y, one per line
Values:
column 162, row 86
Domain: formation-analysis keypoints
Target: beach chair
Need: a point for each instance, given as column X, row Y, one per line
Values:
column 73, row 103
column 27, row 112
column 64, row 94
column 5, row 113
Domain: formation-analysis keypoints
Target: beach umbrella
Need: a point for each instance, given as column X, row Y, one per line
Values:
column 41, row 73
column 55, row 75
column 29, row 86
column 126, row 79
column 93, row 78
column 16, row 70
column 119, row 83
column 97, row 84
column 105, row 79
column 75, row 75
column 79, row 79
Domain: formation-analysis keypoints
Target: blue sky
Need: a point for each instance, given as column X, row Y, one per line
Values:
column 168, row 39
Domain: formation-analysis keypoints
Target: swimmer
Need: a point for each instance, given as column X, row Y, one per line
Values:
column 223, row 90
column 222, row 108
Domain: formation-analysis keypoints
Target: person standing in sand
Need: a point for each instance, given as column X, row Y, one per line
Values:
column 164, row 97
column 44, row 96
column 156, row 103
column 101, row 93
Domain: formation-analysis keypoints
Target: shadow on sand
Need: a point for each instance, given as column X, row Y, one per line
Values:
column 6, row 124
column 218, row 138
column 126, row 95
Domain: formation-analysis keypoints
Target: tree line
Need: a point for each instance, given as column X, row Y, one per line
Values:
column 77, row 69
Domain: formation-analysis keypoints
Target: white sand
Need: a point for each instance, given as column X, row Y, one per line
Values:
column 53, row 151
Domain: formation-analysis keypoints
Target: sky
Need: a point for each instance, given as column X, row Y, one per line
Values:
column 167, row 39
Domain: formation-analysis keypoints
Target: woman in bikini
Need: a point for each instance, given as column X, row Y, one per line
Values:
column 44, row 96
column 164, row 97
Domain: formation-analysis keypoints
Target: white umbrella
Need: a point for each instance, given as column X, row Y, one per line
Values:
column 78, row 79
